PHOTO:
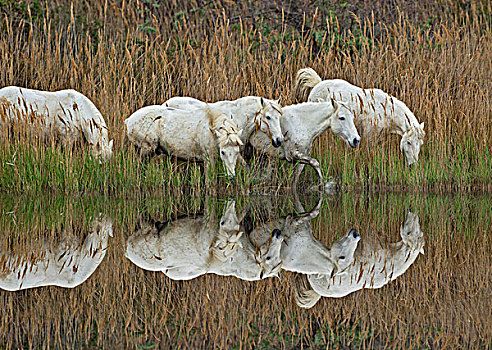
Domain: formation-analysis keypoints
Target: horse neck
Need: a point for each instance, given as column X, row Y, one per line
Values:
column 315, row 116
column 401, row 119
column 245, row 110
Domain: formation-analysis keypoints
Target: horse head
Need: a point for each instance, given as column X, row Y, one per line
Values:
column 230, row 143
column 268, row 120
column 342, row 251
column 268, row 256
column 103, row 150
column 228, row 238
column 411, row 234
column 411, row 142
column 342, row 124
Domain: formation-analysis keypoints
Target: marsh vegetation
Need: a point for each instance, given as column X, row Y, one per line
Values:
column 435, row 58
column 74, row 231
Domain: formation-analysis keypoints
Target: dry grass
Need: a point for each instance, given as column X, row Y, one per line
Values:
column 442, row 301
column 126, row 56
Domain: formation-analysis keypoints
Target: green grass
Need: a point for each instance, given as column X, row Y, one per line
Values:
column 26, row 169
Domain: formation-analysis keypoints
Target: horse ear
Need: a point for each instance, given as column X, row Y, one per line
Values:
column 262, row 102
column 279, row 101
column 422, row 125
column 111, row 144
column 334, row 103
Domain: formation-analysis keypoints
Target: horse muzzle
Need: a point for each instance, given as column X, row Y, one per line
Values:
column 355, row 142
column 355, row 234
column 277, row 142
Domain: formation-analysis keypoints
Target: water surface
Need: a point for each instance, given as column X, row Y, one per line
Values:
column 350, row 270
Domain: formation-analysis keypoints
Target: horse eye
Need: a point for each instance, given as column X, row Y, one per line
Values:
column 222, row 152
column 222, row 223
column 342, row 257
column 409, row 143
column 268, row 117
column 268, row 258
column 342, row 118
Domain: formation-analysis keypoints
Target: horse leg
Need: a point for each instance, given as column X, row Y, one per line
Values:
column 303, row 215
column 312, row 162
column 297, row 174
column 297, row 203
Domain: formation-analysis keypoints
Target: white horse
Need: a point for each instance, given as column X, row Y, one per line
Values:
column 305, row 254
column 302, row 124
column 193, row 135
column 66, row 114
column 193, row 246
column 373, row 266
column 300, row 251
column 376, row 111
column 249, row 113
column 66, row 265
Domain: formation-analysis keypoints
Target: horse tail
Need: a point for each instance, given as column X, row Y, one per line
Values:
column 306, row 79
column 304, row 296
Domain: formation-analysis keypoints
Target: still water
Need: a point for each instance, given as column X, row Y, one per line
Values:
column 351, row 270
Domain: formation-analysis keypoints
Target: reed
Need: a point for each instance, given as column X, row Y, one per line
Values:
column 126, row 55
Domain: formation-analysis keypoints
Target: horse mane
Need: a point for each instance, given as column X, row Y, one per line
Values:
column 276, row 107
column 225, row 245
column 306, row 79
column 219, row 123
column 381, row 97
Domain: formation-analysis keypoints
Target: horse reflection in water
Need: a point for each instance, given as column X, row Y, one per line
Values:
column 189, row 247
column 372, row 266
column 67, row 264
column 303, row 253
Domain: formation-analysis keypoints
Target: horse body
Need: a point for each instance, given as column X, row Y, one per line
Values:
column 305, row 254
column 181, row 245
column 67, row 265
column 176, row 132
column 373, row 266
column 376, row 111
column 302, row 124
column 67, row 114
column 190, row 247
column 197, row 135
column 249, row 114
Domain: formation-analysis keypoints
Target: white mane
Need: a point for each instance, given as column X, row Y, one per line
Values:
column 223, row 128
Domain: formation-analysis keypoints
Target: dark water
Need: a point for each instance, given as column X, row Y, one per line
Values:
column 350, row 270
